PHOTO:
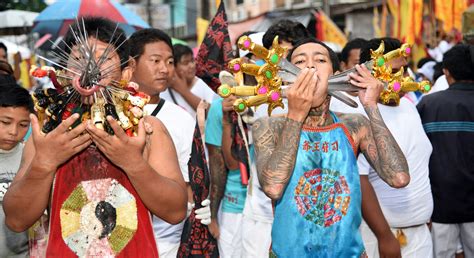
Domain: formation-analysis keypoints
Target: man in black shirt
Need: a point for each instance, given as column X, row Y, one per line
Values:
column 448, row 120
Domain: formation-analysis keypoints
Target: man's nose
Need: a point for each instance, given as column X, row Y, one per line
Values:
column 13, row 130
column 163, row 68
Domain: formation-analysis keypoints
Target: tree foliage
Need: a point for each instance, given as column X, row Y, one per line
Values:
column 26, row 5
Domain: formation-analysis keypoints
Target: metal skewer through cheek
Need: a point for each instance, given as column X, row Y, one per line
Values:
column 111, row 96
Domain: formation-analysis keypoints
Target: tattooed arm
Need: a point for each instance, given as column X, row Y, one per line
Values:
column 218, row 173
column 276, row 145
column 227, row 107
column 376, row 141
column 383, row 152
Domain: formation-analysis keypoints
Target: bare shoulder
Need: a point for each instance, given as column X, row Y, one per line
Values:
column 157, row 125
column 157, row 138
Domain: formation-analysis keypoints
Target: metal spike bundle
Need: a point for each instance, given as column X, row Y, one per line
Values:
column 277, row 70
column 119, row 99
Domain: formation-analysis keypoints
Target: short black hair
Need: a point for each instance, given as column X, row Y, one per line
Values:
column 6, row 74
column 438, row 71
column 459, row 61
column 5, row 68
column 286, row 30
column 373, row 44
column 13, row 95
column 146, row 36
column 180, row 50
column 332, row 54
column 103, row 30
column 357, row 43
column 4, row 47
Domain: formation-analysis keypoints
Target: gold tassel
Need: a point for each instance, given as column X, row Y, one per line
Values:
column 402, row 239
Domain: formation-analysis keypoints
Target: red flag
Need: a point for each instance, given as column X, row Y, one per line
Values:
column 215, row 50
column 214, row 54
column 196, row 240
column 327, row 30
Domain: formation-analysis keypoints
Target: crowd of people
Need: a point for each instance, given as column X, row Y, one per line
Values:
column 324, row 179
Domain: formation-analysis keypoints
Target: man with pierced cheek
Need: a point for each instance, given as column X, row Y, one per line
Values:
column 306, row 161
column 99, row 189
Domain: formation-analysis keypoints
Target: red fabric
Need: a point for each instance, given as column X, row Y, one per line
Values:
column 90, row 164
column 196, row 240
column 100, row 8
column 215, row 51
column 319, row 26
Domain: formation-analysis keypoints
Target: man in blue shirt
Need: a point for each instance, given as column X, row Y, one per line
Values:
column 227, row 191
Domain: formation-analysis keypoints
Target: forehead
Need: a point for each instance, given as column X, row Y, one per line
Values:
column 187, row 56
column 158, row 48
column 310, row 49
column 19, row 113
column 354, row 53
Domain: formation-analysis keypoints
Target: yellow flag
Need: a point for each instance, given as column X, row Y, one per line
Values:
column 406, row 22
column 417, row 6
column 450, row 13
column 201, row 29
column 332, row 33
column 411, row 21
column 459, row 7
column 418, row 52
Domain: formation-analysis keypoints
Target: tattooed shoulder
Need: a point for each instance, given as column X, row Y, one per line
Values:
column 357, row 125
column 274, row 124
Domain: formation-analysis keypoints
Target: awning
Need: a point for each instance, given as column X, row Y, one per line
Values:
column 263, row 22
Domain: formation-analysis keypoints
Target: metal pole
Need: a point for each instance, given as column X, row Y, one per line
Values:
column 148, row 12
column 326, row 8
column 172, row 18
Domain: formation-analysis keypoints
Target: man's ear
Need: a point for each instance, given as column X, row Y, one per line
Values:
column 342, row 64
column 446, row 72
column 449, row 78
column 127, row 72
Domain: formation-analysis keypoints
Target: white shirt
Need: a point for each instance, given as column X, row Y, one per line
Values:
column 440, row 85
column 200, row 89
column 9, row 165
column 413, row 204
column 257, row 205
column 180, row 126
column 437, row 53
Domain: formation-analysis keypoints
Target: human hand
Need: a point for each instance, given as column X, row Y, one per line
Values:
column 228, row 104
column 148, row 127
column 17, row 58
column 214, row 229
column 389, row 247
column 371, row 87
column 59, row 145
column 122, row 150
column 301, row 94
column 204, row 213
